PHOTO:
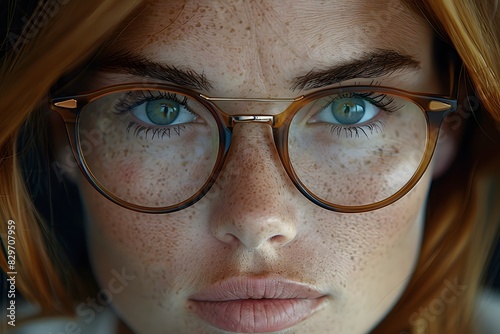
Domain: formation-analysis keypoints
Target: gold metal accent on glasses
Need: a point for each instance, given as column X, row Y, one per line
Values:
column 439, row 106
column 68, row 104
column 251, row 99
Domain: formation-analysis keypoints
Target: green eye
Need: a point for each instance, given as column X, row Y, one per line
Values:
column 348, row 110
column 162, row 111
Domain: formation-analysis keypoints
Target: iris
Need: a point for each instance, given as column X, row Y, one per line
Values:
column 162, row 111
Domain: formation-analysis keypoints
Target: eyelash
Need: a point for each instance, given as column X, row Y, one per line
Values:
column 377, row 99
column 355, row 131
column 159, row 132
column 132, row 100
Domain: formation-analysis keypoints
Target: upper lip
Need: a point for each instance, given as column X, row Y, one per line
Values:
column 244, row 287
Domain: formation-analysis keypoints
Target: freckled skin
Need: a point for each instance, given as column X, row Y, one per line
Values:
column 254, row 221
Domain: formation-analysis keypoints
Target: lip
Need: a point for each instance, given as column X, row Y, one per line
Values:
column 256, row 304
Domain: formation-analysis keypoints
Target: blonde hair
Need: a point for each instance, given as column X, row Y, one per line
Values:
column 460, row 226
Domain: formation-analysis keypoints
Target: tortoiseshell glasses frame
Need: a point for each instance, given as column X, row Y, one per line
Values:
column 434, row 107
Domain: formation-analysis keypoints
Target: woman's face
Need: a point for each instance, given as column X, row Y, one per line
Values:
column 254, row 255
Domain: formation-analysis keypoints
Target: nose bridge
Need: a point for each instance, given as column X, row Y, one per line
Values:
column 254, row 204
column 253, row 145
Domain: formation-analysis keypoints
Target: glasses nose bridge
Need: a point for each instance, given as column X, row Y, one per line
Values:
column 262, row 119
column 265, row 117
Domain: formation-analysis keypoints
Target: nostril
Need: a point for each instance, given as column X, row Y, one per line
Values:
column 228, row 238
column 279, row 239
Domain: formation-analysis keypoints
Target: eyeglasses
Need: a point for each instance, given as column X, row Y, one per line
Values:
column 158, row 148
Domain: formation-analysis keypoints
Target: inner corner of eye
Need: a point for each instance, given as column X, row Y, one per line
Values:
column 314, row 119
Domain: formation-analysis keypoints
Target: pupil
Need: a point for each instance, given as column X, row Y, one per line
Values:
column 167, row 110
column 347, row 108
column 162, row 112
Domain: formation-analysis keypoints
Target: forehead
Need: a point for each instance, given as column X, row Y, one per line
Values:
column 263, row 42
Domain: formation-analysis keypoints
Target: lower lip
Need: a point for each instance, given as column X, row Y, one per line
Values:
column 256, row 315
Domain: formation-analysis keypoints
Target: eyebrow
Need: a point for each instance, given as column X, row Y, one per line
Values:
column 370, row 65
column 140, row 66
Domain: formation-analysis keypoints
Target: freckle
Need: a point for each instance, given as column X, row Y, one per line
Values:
column 198, row 24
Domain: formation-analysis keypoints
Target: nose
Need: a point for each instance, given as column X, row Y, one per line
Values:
column 254, row 207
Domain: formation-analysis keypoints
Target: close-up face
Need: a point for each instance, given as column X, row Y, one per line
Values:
column 254, row 254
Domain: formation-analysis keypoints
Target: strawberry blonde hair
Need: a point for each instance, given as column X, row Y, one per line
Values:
column 461, row 224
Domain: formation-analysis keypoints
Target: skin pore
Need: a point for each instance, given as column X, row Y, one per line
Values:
column 254, row 222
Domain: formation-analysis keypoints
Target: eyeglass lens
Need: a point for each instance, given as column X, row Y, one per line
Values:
column 159, row 148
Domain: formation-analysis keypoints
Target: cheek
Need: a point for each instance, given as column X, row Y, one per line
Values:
column 159, row 251
column 371, row 257
column 144, row 238
column 360, row 247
